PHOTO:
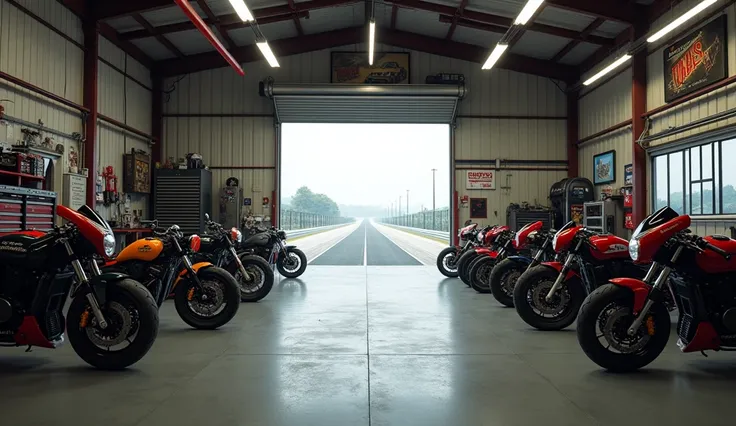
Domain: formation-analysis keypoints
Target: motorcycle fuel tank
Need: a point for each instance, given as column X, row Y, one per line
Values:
column 207, row 243
column 609, row 247
column 258, row 240
column 146, row 249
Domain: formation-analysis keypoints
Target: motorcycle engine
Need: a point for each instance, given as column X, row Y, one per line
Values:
column 11, row 317
column 723, row 299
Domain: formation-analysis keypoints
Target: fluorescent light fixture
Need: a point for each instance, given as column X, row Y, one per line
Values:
column 268, row 54
column 681, row 20
column 242, row 10
column 607, row 69
column 528, row 11
column 493, row 58
column 371, row 41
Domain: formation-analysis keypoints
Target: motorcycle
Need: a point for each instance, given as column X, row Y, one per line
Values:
column 484, row 245
column 253, row 274
column 112, row 321
column 549, row 296
column 480, row 269
column 448, row 257
column 507, row 272
column 625, row 324
column 271, row 245
column 205, row 296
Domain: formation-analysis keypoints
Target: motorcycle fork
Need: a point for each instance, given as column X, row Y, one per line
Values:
column 84, row 283
column 192, row 273
column 241, row 267
column 656, row 289
column 560, row 277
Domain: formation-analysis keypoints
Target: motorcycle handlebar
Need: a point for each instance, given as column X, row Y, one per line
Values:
column 718, row 250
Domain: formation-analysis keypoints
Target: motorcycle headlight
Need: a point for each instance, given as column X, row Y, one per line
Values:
column 554, row 243
column 634, row 249
column 479, row 237
column 236, row 235
column 108, row 243
column 195, row 242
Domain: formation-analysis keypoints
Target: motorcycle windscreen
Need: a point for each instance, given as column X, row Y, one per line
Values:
column 92, row 215
column 661, row 216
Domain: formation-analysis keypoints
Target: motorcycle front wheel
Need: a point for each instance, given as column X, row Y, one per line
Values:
column 132, row 326
column 532, row 306
column 463, row 265
column 212, row 305
column 503, row 280
column 480, row 272
column 603, row 324
column 447, row 262
column 293, row 265
column 261, row 278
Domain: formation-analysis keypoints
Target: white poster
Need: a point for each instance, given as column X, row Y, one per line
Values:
column 481, row 179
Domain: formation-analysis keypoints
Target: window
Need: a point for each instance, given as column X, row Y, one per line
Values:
column 695, row 181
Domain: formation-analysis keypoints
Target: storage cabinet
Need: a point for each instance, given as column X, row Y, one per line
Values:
column 25, row 208
column 182, row 197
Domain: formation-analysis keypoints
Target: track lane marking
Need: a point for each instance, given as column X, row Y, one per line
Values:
column 330, row 247
column 399, row 246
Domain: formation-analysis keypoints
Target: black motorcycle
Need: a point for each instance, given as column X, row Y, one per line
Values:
column 270, row 244
column 253, row 274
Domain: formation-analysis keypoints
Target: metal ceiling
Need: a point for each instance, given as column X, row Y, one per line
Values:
column 357, row 103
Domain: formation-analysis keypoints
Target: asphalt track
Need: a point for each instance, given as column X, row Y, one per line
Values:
column 365, row 246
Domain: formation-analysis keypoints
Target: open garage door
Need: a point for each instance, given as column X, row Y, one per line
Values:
column 355, row 103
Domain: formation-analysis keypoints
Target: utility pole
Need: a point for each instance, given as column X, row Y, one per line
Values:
column 407, row 208
column 398, row 209
column 434, row 226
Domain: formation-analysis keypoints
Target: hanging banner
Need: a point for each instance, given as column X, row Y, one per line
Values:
column 695, row 61
column 480, row 179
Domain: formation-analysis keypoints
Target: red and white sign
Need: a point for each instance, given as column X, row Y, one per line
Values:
column 481, row 179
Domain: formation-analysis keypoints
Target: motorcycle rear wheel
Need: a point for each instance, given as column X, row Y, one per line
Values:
column 480, row 272
column 463, row 265
column 130, row 310
column 607, row 313
column 503, row 280
column 261, row 278
column 446, row 260
column 530, row 303
column 217, row 284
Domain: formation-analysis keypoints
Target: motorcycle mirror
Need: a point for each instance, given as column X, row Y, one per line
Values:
column 468, row 222
column 206, row 217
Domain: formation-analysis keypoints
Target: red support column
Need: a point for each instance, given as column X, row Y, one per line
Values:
column 573, row 118
column 638, row 108
column 91, row 48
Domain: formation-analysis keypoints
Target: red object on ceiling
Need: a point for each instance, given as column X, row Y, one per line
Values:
column 207, row 32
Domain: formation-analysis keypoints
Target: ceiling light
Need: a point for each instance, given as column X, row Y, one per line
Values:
column 528, row 11
column 497, row 52
column 681, row 20
column 242, row 10
column 607, row 69
column 268, row 54
column 371, row 41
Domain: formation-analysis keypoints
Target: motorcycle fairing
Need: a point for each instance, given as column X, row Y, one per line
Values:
column 638, row 287
column 484, row 251
column 29, row 334
column 557, row 266
column 706, row 338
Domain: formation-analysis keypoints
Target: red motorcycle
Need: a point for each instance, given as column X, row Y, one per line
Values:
column 448, row 257
column 112, row 320
column 624, row 325
column 480, row 268
column 484, row 244
column 549, row 296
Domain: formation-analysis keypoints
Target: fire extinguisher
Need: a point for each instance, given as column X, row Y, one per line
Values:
column 110, row 195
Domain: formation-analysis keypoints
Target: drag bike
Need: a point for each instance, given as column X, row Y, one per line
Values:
column 485, row 244
column 549, row 296
column 625, row 324
column 253, row 274
column 271, row 245
column 448, row 257
column 480, row 268
column 205, row 296
column 507, row 271
column 111, row 322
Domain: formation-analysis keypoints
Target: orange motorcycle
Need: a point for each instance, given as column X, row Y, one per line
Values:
column 205, row 296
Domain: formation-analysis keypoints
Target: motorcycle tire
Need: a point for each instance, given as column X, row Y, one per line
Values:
column 448, row 256
column 529, row 299
column 480, row 272
column 185, row 293
column 463, row 265
column 122, row 298
column 610, row 296
column 503, row 280
column 255, row 265
column 292, row 273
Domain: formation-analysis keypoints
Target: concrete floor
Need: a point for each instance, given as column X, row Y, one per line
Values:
column 355, row 345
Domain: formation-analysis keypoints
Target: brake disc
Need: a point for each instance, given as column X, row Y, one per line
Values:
column 614, row 323
column 539, row 298
column 120, row 324
column 212, row 304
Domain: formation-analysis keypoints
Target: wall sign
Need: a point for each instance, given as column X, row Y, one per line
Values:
column 247, row 201
column 479, row 208
column 353, row 67
column 480, row 179
column 629, row 175
column 696, row 60
column 604, row 167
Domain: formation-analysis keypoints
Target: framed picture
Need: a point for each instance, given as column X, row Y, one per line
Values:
column 387, row 68
column 604, row 167
column 696, row 60
column 479, row 208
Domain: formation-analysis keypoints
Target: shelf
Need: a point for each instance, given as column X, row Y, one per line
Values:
column 23, row 175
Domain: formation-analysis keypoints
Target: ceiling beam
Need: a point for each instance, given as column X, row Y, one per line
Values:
column 500, row 21
column 108, row 9
column 573, row 44
column 627, row 13
column 605, row 51
column 458, row 13
column 394, row 14
column 297, row 23
column 354, row 35
column 229, row 43
column 660, row 7
column 267, row 20
column 131, row 49
column 161, row 39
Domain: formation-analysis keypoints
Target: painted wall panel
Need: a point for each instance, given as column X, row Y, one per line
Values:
column 57, row 15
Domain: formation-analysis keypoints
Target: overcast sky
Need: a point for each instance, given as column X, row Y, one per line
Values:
column 367, row 164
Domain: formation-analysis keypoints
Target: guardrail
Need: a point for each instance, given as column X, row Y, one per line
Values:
column 443, row 235
column 309, row 231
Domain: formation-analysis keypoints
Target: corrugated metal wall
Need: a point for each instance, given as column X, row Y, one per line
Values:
column 34, row 53
column 606, row 106
column 250, row 141
column 127, row 100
